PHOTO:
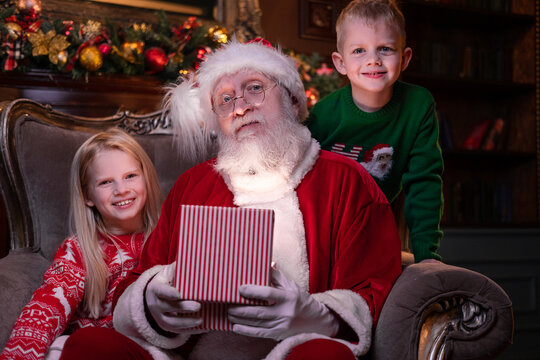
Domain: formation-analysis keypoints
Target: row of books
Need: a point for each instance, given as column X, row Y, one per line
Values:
column 478, row 202
column 487, row 135
column 464, row 62
column 493, row 5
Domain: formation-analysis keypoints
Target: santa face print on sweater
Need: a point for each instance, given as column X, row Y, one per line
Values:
column 377, row 160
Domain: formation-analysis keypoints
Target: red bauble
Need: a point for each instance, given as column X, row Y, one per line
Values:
column 155, row 59
column 104, row 49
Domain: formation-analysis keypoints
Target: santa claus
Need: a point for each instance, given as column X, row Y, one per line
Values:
column 336, row 247
column 378, row 160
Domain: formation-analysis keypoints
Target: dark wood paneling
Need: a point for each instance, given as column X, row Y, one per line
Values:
column 510, row 257
column 81, row 11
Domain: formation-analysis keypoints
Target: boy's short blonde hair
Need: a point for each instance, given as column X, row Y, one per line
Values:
column 371, row 10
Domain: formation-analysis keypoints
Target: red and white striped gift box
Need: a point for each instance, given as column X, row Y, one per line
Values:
column 219, row 249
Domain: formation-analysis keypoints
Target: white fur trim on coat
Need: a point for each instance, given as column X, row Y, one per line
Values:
column 129, row 318
column 352, row 309
column 289, row 248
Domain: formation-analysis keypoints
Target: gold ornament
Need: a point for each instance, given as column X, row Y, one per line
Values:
column 91, row 30
column 61, row 58
column 28, row 5
column 48, row 44
column 58, row 44
column 40, row 42
column 135, row 47
column 14, row 30
column 90, row 58
column 218, row 34
column 129, row 51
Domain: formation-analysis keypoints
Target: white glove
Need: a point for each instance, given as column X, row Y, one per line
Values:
column 165, row 305
column 55, row 350
column 290, row 311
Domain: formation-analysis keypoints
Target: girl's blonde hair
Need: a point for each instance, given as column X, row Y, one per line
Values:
column 371, row 10
column 87, row 222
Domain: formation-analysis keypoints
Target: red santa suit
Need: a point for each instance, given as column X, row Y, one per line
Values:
column 334, row 235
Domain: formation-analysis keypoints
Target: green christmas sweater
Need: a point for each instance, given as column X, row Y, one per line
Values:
column 398, row 145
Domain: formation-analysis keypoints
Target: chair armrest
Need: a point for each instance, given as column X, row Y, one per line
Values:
column 438, row 311
column 21, row 273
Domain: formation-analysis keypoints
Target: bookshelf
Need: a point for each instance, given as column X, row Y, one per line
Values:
column 478, row 58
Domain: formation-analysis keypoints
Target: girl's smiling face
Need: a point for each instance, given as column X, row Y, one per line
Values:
column 117, row 189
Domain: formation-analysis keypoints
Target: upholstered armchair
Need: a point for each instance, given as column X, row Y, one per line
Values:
column 434, row 311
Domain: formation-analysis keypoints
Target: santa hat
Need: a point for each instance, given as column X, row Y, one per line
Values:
column 189, row 103
column 376, row 150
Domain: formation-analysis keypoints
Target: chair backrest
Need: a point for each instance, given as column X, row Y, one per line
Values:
column 37, row 146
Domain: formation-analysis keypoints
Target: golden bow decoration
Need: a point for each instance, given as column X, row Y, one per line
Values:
column 48, row 44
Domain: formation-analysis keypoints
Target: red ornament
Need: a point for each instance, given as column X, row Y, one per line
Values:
column 155, row 59
column 104, row 49
column 201, row 53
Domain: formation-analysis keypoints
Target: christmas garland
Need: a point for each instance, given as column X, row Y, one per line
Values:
column 29, row 41
column 319, row 79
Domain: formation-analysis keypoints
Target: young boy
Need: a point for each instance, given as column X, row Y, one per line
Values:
column 389, row 126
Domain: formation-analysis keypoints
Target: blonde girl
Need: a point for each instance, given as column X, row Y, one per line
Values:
column 115, row 202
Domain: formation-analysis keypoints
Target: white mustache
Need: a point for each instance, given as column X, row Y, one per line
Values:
column 238, row 122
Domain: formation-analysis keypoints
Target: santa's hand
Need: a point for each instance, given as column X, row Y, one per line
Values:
column 291, row 311
column 169, row 311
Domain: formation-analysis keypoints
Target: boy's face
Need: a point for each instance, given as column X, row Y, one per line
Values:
column 372, row 56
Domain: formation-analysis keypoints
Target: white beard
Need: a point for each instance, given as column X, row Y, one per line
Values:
column 276, row 151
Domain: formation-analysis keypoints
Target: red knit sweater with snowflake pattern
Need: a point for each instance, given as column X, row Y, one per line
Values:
column 57, row 306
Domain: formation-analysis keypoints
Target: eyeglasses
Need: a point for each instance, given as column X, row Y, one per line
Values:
column 253, row 94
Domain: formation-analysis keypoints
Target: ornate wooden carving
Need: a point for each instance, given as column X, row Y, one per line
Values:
column 443, row 317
